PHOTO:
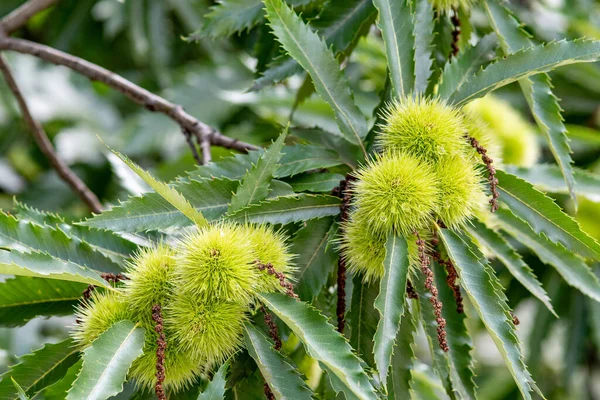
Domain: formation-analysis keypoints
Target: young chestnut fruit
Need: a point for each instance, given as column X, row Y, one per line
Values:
column 512, row 133
column 427, row 129
column 205, row 287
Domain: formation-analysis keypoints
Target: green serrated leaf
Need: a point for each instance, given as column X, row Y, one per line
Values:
column 485, row 293
column 423, row 34
column 232, row 16
column 322, row 342
column 549, row 178
column 362, row 319
column 25, row 236
column 440, row 360
column 58, row 390
column 314, row 261
column 20, row 391
column 152, row 212
column 390, row 302
column 283, row 379
column 106, row 362
column 572, row 268
column 544, row 215
column 316, row 183
column 255, row 186
column 106, row 242
column 39, row 369
column 43, row 265
column 500, row 247
column 460, row 343
column 403, row 360
column 341, row 23
column 397, row 28
column 347, row 152
column 287, row 209
column 23, row 298
column 215, row 390
column 524, row 63
column 311, row 52
column 537, row 90
column 459, row 69
column 168, row 193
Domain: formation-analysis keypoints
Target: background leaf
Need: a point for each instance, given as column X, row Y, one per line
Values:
column 215, row 389
column 537, row 90
column 522, row 64
column 322, row 342
column 544, row 215
column 309, row 50
column 573, row 269
column 39, row 369
column 283, row 379
column 484, row 291
column 23, row 298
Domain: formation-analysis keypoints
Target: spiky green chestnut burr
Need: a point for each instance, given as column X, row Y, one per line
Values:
column 270, row 248
column 104, row 310
column 477, row 129
column 100, row 312
column 150, row 275
column 514, row 134
column 217, row 262
column 461, row 191
column 365, row 250
column 396, row 192
column 428, row 129
column 209, row 331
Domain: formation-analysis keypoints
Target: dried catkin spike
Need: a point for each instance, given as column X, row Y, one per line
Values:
column 430, row 286
column 161, row 346
column 455, row 32
column 451, row 280
column 489, row 165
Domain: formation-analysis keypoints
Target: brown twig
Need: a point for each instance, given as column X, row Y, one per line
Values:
column 45, row 145
column 139, row 95
column 205, row 146
column 451, row 280
column 161, row 347
column 455, row 32
column 21, row 15
column 190, row 141
column 430, row 286
column 489, row 165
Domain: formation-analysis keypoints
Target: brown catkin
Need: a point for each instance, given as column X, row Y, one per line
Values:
column 455, row 33
column 489, row 165
column 345, row 194
column 451, row 280
column 161, row 343
column 113, row 278
column 289, row 288
column 273, row 330
column 430, row 286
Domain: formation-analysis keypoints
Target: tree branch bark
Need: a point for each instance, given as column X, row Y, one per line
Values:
column 205, row 146
column 21, row 15
column 134, row 92
column 45, row 144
